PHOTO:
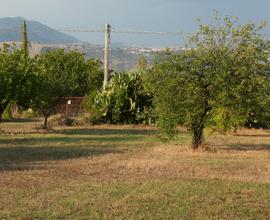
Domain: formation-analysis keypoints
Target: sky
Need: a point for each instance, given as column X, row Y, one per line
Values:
column 150, row 15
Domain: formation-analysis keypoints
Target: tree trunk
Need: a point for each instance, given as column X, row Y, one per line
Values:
column 1, row 113
column 197, row 132
column 45, row 122
column 46, row 114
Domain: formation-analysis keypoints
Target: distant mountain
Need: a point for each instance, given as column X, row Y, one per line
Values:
column 10, row 30
column 120, row 58
column 43, row 38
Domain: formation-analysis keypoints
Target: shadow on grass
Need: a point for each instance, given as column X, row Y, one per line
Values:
column 248, row 147
column 253, row 135
column 21, row 120
column 20, row 158
column 95, row 131
column 266, row 133
column 23, row 150
column 19, row 152
column 22, row 141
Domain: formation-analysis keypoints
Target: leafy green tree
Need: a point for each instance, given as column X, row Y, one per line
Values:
column 17, row 78
column 215, row 84
column 65, row 74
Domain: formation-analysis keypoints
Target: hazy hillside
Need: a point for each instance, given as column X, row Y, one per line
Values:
column 120, row 58
column 10, row 30
column 44, row 38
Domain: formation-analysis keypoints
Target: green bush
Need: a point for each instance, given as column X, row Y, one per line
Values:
column 124, row 101
column 29, row 113
column 69, row 121
column 9, row 111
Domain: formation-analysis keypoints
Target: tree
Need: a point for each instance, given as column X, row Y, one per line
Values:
column 25, row 42
column 17, row 78
column 17, row 74
column 65, row 74
column 215, row 84
column 47, row 99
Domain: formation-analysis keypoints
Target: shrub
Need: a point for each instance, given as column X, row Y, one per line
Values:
column 69, row 121
column 124, row 101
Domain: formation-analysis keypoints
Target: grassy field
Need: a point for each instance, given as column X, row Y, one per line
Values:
column 125, row 172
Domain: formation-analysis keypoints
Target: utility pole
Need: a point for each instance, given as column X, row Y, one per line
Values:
column 107, row 55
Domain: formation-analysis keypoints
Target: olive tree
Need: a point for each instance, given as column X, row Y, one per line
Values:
column 64, row 74
column 216, row 83
column 17, row 78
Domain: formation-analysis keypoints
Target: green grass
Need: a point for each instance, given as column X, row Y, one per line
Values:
column 186, row 199
column 125, row 172
column 69, row 144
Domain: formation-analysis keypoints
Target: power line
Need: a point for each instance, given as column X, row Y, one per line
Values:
column 126, row 31
column 80, row 30
column 117, row 31
column 148, row 32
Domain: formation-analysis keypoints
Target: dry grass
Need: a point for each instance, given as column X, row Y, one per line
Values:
column 123, row 172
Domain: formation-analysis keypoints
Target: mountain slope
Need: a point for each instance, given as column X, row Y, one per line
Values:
column 10, row 30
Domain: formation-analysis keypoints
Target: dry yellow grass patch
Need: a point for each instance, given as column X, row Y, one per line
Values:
column 242, row 157
column 126, row 172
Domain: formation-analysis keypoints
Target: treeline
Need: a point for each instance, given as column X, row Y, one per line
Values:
column 221, row 81
column 42, row 82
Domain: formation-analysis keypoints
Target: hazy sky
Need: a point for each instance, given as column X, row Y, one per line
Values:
column 155, row 15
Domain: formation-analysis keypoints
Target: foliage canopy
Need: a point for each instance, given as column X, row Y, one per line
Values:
column 64, row 74
column 124, row 100
column 222, row 82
